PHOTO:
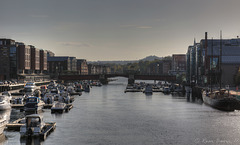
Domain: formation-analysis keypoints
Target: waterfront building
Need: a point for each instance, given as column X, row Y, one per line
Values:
column 73, row 64
column 61, row 65
column 8, row 59
column 24, row 59
column 35, row 60
column 203, row 61
column 43, row 61
column 230, row 59
column 82, row 66
column 178, row 64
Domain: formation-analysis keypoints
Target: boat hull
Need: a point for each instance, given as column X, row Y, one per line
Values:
column 224, row 104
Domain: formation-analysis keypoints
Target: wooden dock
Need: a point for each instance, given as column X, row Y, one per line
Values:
column 49, row 128
column 45, row 106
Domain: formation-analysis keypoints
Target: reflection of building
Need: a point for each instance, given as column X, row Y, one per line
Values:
column 82, row 66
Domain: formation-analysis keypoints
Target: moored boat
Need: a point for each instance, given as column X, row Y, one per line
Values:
column 33, row 104
column 221, row 100
column 58, row 107
column 33, row 126
column 148, row 89
column 4, row 102
column 4, row 119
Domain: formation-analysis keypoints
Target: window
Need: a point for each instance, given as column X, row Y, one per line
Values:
column 13, row 50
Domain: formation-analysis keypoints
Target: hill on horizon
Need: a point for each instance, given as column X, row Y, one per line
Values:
column 122, row 62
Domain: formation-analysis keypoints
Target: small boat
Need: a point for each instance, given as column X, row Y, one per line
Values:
column 148, row 89
column 87, row 88
column 166, row 90
column 78, row 88
column 48, row 98
column 64, row 97
column 18, row 100
column 33, row 126
column 58, row 107
column 5, row 102
column 29, row 88
column 33, row 104
column 6, row 93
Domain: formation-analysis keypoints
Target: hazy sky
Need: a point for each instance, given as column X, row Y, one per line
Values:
column 117, row 29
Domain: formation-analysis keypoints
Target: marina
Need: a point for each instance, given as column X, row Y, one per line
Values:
column 105, row 118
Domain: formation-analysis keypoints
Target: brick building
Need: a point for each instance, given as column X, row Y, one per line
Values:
column 82, row 66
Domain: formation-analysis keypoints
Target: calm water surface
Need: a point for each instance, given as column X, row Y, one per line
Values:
column 108, row 116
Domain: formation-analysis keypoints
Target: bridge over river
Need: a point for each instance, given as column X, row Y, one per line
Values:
column 131, row 77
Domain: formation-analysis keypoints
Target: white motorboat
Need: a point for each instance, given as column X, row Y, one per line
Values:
column 30, row 85
column 4, row 119
column 6, row 93
column 48, row 98
column 33, row 104
column 55, row 92
column 64, row 97
column 34, row 125
column 4, row 102
column 58, row 107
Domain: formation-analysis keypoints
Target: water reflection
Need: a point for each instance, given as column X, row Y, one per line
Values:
column 4, row 119
column 31, row 141
column 3, row 138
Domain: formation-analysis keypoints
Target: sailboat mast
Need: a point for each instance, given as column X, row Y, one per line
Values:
column 211, row 65
column 220, row 60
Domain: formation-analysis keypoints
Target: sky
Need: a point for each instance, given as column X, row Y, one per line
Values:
column 117, row 29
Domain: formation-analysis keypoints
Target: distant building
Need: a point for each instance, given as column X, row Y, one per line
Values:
column 82, row 66
column 178, row 64
column 167, row 65
column 99, row 69
column 61, row 65
column 73, row 63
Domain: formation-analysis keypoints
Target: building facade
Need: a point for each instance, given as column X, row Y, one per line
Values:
column 213, row 60
column 7, row 62
column 24, row 59
column 82, row 66
column 43, row 61
column 35, row 60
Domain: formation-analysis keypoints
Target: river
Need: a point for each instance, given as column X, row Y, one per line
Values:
column 108, row 116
